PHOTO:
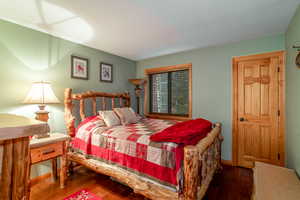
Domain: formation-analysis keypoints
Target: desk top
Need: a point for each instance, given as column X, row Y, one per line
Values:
column 14, row 126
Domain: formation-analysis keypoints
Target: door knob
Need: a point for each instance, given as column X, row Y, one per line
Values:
column 242, row 119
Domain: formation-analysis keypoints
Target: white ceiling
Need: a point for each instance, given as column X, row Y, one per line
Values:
column 139, row 29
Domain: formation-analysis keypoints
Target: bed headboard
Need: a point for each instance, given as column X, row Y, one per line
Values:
column 123, row 100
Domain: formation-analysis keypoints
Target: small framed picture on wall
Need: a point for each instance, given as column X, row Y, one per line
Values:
column 79, row 68
column 106, row 72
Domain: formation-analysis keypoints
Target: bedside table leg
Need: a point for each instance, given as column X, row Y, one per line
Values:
column 54, row 168
column 63, row 167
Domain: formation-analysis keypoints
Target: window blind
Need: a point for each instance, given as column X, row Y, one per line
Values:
column 169, row 93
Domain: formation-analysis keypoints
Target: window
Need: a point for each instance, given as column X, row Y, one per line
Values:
column 169, row 91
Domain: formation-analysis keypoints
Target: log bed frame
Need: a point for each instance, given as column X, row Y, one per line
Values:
column 195, row 183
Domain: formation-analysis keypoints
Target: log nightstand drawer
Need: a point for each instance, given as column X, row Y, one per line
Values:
column 47, row 152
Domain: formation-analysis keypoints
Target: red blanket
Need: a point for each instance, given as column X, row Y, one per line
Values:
column 187, row 133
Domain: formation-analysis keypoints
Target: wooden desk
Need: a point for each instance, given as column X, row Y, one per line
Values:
column 14, row 154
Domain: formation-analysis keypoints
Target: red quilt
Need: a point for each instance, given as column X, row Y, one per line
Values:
column 130, row 147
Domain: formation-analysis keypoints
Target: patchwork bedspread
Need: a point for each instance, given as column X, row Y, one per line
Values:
column 130, row 147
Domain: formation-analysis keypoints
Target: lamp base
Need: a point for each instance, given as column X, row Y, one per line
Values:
column 42, row 115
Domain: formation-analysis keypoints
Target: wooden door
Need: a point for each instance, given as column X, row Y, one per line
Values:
column 258, row 136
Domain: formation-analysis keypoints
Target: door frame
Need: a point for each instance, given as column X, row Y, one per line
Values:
column 281, row 96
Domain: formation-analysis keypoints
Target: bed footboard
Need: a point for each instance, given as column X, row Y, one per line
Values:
column 200, row 164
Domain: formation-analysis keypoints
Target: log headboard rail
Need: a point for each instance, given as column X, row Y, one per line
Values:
column 123, row 99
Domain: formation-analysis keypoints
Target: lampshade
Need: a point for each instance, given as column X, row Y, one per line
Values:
column 137, row 81
column 41, row 93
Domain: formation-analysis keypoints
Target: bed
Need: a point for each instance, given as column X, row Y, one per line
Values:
column 155, row 170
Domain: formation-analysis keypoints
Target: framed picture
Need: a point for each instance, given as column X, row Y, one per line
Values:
column 106, row 72
column 298, row 59
column 79, row 68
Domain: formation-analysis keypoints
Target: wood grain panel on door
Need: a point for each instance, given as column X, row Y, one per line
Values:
column 256, row 135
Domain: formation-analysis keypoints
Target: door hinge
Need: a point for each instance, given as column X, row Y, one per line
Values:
column 278, row 112
column 278, row 156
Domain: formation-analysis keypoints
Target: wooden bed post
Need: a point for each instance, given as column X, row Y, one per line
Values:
column 69, row 118
column 191, row 172
column 193, row 163
column 127, row 99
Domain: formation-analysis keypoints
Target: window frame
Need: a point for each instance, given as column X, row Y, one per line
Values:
column 167, row 69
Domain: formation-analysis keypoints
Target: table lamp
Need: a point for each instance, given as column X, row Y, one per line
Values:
column 41, row 93
column 138, row 90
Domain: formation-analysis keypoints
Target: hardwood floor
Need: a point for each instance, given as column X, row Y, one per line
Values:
column 232, row 183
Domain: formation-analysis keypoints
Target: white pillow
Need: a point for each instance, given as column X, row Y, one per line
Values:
column 110, row 118
column 127, row 115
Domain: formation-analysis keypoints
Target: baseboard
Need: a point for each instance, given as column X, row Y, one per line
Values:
column 38, row 179
column 227, row 162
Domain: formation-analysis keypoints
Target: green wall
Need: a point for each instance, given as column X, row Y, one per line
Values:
column 293, row 94
column 27, row 55
column 212, row 77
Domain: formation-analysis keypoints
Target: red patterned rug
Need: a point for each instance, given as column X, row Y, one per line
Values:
column 83, row 195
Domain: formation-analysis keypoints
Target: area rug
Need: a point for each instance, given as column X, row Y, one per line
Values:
column 83, row 195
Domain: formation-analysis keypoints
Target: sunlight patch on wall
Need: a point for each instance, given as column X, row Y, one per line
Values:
column 24, row 110
column 58, row 20
column 46, row 17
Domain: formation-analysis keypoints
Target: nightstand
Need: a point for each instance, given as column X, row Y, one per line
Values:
column 51, row 148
